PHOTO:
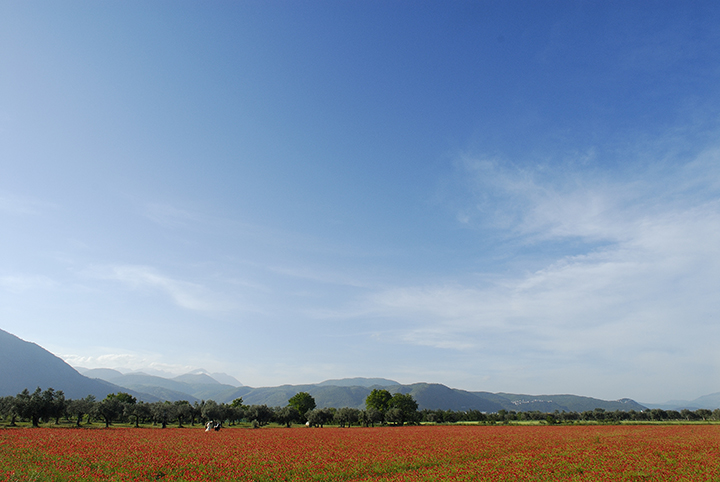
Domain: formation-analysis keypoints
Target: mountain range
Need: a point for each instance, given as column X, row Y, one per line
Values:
column 710, row 402
column 27, row 365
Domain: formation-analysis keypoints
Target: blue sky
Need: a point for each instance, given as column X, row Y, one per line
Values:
column 500, row 196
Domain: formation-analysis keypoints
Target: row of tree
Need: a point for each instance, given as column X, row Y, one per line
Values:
column 598, row 415
column 50, row 405
column 381, row 407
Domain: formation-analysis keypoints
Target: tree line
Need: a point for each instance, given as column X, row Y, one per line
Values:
column 381, row 408
column 597, row 415
column 51, row 406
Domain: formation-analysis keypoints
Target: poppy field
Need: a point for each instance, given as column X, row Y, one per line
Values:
column 420, row 453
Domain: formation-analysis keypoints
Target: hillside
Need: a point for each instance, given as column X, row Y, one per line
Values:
column 27, row 365
column 359, row 382
column 191, row 386
column 435, row 396
column 567, row 403
column 710, row 402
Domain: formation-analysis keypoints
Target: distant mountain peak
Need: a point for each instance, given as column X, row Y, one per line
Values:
column 202, row 378
column 28, row 365
column 222, row 378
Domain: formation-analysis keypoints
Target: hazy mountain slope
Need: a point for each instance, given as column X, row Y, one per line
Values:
column 197, row 379
column 431, row 396
column 101, row 373
column 188, row 387
column 568, row 403
column 275, row 396
column 710, row 402
column 27, row 365
column 221, row 393
column 359, row 382
column 161, row 393
column 226, row 379
column 136, row 380
column 222, row 378
column 434, row 396
column 342, row 396
column 325, row 396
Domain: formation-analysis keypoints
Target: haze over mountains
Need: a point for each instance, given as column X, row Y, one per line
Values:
column 27, row 365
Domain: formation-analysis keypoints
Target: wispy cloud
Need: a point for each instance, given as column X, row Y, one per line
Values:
column 124, row 362
column 22, row 283
column 321, row 276
column 533, row 204
column 21, row 205
column 188, row 295
column 170, row 216
column 652, row 280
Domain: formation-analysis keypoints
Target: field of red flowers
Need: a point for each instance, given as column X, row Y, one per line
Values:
column 426, row 453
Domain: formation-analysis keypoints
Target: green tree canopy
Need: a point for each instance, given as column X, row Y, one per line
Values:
column 379, row 399
column 319, row 417
column 123, row 397
column 33, row 406
column 109, row 409
column 212, row 411
column 262, row 414
column 162, row 412
column 81, row 407
column 303, row 402
column 404, row 409
column 287, row 415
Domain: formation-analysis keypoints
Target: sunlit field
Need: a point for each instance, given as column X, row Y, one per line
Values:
column 619, row 452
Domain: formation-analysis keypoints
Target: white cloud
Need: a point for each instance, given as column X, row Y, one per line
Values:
column 188, row 295
column 125, row 362
column 538, row 206
column 649, row 287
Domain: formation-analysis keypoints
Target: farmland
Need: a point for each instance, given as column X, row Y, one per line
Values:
column 418, row 453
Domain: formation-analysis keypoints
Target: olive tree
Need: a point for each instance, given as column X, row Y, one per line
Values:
column 81, row 407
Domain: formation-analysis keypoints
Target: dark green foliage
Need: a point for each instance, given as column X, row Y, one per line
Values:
column 40, row 405
column 319, row 417
column 262, row 414
column 286, row 415
column 370, row 417
column 162, row 413
column 139, row 412
column 379, row 399
column 347, row 416
column 302, row 401
column 211, row 411
column 81, row 407
column 406, row 408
